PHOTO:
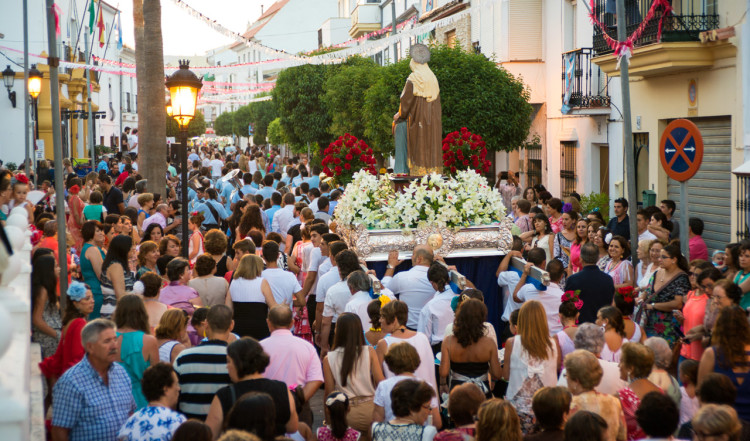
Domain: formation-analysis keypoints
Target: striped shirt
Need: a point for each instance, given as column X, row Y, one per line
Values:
column 202, row 371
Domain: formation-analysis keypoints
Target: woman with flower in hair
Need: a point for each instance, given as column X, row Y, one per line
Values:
column 569, row 313
column 625, row 302
column 565, row 238
column 195, row 247
column 70, row 349
column 20, row 189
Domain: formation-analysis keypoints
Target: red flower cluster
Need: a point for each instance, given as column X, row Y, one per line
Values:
column 346, row 156
column 627, row 293
column 463, row 150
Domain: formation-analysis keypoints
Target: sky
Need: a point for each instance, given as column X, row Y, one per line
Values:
column 185, row 35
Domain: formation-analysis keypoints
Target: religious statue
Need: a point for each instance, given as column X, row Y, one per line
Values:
column 421, row 115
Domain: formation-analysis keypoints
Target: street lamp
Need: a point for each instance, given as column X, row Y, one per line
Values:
column 9, row 77
column 35, row 88
column 183, row 87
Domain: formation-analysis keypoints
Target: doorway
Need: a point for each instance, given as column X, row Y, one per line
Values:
column 604, row 169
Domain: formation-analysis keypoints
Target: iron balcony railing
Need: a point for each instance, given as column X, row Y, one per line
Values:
column 584, row 84
column 686, row 21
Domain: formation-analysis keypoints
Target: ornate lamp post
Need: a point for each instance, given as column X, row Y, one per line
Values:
column 9, row 77
column 183, row 87
column 35, row 88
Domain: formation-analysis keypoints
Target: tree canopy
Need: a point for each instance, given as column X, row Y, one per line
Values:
column 276, row 135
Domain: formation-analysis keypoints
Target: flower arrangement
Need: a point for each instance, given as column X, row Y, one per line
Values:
column 460, row 201
column 573, row 296
column 463, row 150
column 627, row 293
column 346, row 156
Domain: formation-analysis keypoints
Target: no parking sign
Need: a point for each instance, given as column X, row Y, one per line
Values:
column 681, row 149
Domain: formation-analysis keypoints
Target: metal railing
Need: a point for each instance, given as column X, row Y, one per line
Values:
column 688, row 19
column 743, row 206
column 587, row 85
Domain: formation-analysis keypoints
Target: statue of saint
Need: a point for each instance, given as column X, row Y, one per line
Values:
column 420, row 110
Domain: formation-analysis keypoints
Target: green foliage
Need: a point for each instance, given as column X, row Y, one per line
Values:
column 382, row 101
column 100, row 150
column 595, row 200
column 223, row 124
column 12, row 166
column 261, row 114
column 276, row 135
column 240, row 120
column 477, row 94
column 345, row 95
column 298, row 97
column 197, row 126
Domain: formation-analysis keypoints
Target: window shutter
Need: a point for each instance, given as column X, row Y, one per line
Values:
column 525, row 39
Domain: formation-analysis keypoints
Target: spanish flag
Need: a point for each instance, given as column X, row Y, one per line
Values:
column 100, row 25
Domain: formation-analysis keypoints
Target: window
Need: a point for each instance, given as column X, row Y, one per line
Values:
column 567, row 168
column 127, row 102
column 450, row 38
column 743, row 206
column 533, row 164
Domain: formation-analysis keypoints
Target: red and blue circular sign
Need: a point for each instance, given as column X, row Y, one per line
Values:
column 681, row 149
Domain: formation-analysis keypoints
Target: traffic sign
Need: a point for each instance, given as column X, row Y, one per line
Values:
column 681, row 149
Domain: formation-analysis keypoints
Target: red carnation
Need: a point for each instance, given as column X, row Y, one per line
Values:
column 337, row 170
column 476, row 138
column 453, row 169
column 369, row 151
column 349, row 143
column 338, row 143
column 446, row 156
column 446, row 147
column 337, row 161
column 348, row 157
column 355, row 151
column 466, row 162
column 348, row 166
column 328, row 171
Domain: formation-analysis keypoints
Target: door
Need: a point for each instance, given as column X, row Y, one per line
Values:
column 604, row 169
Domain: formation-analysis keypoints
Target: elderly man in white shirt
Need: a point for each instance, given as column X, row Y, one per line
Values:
column 284, row 285
column 336, row 299
column 359, row 284
column 159, row 217
column 412, row 286
column 437, row 314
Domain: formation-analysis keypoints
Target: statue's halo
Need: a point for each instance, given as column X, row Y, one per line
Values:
column 420, row 53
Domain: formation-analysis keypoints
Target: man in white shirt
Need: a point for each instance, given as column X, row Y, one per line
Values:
column 317, row 229
column 437, row 313
column 216, row 166
column 284, row 216
column 642, row 219
column 326, row 264
column 412, row 286
column 133, row 144
column 359, row 284
column 326, row 281
column 336, row 299
column 507, row 281
column 550, row 298
column 284, row 285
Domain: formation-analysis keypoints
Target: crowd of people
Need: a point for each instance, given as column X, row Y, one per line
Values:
column 231, row 335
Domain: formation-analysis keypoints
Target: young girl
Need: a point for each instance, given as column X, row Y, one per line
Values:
column 195, row 247
column 94, row 210
column 146, row 201
column 337, row 406
column 20, row 190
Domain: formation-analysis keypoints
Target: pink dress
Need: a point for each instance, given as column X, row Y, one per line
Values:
column 575, row 257
column 630, row 403
column 557, row 225
column 326, row 434
column 301, row 326
column 694, row 312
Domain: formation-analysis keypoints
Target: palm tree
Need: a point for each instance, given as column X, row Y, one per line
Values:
column 149, row 57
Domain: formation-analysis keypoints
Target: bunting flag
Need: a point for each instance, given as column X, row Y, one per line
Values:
column 119, row 32
column 102, row 28
column 92, row 16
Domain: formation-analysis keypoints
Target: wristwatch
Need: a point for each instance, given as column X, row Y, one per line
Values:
column 389, row 266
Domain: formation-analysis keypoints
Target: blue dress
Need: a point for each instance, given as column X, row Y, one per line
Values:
column 742, row 402
column 89, row 278
column 131, row 354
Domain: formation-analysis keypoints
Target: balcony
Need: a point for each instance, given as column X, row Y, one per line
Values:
column 585, row 91
column 679, row 49
column 365, row 19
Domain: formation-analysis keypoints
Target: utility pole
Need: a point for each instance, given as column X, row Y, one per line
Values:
column 27, row 127
column 120, row 101
column 627, row 134
column 393, row 30
column 90, row 132
column 54, row 90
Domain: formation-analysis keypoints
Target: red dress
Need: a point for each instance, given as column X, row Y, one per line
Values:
column 69, row 351
column 630, row 403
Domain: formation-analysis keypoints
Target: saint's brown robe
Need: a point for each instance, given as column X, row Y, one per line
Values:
column 424, row 131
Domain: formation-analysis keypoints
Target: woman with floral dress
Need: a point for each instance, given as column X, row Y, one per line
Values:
column 669, row 286
column 635, row 367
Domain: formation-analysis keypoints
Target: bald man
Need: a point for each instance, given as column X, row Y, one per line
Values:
column 412, row 286
column 293, row 360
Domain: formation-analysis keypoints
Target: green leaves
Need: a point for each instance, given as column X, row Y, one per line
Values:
column 197, row 126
